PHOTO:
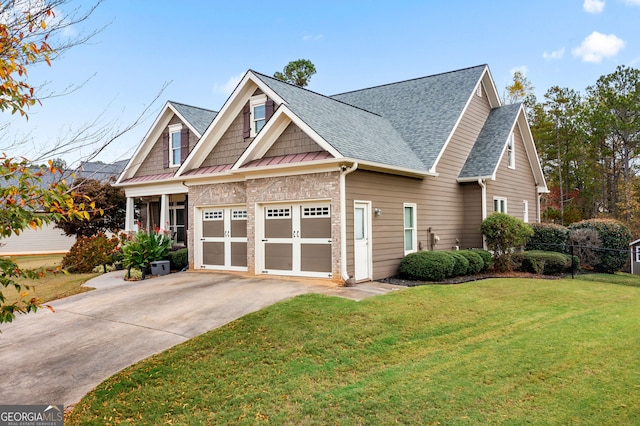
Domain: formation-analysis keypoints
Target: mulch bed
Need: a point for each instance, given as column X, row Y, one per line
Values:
column 470, row 278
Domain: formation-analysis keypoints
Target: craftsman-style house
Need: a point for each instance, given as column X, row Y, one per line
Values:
column 286, row 181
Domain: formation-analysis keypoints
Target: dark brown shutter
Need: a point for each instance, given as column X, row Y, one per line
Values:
column 184, row 144
column 268, row 109
column 186, row 219
column 165, row 150
column 246, row 130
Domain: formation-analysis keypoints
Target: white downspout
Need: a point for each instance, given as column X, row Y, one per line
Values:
column 344, row 171
column 484, row 206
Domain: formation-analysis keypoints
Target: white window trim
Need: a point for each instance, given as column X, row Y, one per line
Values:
column 500, row 199
column 173, row 129
column 255, row 101
column 414, row 229
column 511, row 151
column 525, row 211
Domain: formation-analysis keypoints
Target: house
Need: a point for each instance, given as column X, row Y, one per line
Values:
column 48, row 239
column 634, row 260
column 286, row 181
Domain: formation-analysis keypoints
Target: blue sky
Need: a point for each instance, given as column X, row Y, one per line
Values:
column 202, row 48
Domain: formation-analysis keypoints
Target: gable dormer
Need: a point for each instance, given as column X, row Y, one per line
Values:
column 256, row 113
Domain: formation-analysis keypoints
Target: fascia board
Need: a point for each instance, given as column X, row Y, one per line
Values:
column 146, row 144
column 229, row 111
column 458, row 120
column 273, row 129
column 184, row 120
column 174, row 187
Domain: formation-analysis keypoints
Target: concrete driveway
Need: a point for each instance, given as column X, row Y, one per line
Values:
column 56, row 358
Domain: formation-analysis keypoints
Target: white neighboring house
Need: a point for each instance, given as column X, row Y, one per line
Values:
column 49, row 239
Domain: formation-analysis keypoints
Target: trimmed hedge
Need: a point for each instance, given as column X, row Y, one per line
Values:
column 614, row 237
column 487, row 258
column 426, row 266
column 476, row 264
column 178, row 259
column 548, row 237
column 545, row 262
column 461, row 264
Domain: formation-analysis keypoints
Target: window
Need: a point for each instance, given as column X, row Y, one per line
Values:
column 175, row 142
column 282, row 213
column 525, row 211
column 499, row 204
column 410, row 232
column 316, row 211
column 479, row 91
column 637, row 253
column 213, row 215
column 239, row 215
column 258, row 113
column 510, row 152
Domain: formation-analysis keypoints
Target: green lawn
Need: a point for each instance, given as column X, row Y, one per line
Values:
column 499, row 351
column 49, row 287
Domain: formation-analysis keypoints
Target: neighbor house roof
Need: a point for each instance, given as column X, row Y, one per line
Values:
column 199, row 118
column 487, row 150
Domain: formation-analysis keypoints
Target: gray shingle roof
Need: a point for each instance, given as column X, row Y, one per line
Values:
column 199, row 118
column 352, row 131
column 485, row 154
column 423, row 111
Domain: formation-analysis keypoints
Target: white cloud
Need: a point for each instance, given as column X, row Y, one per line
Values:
column 598, row 46
column 229, row 86
column 594, row 6
column 522, row 68
column 312, row 37
column 555, row 54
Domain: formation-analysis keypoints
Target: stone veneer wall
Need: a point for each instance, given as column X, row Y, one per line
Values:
column 297, row 188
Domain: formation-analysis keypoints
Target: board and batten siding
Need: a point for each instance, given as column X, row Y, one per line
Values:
column 516, row 185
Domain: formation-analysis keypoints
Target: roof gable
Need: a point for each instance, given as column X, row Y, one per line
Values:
column 197, row 118
column 424, row 111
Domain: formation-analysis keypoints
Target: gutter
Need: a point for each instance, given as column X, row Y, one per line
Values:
column 483, row 185
column 344, row 171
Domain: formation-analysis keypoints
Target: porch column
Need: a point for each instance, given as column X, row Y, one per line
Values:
column 164, row 212
column 129, row 220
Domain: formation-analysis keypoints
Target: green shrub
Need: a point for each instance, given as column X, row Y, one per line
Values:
column 476, row 264
column 503, row 234
column 614, row 238
column 548, row 237
column 89, row 252
column 426, row 266
column 143, row 248
column 487, row 259
column 179, row 259
column 460, row 265
column 545, row 262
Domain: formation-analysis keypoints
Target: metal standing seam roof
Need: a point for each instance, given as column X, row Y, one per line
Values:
column 352, row 131
column 199, row 118
column 487, row 150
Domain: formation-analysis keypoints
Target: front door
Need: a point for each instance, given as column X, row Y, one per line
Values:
column 362, row 249
column 223, row 243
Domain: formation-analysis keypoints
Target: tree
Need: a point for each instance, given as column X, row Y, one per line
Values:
column 521, row 90
column 109, row 200
column 503, row 234
column 26, row 203
column 29, row 34
column 297, row 72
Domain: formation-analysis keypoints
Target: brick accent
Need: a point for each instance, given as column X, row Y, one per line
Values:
column 255, row 192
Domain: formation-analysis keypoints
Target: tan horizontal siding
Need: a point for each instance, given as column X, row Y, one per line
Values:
column 515, row 184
